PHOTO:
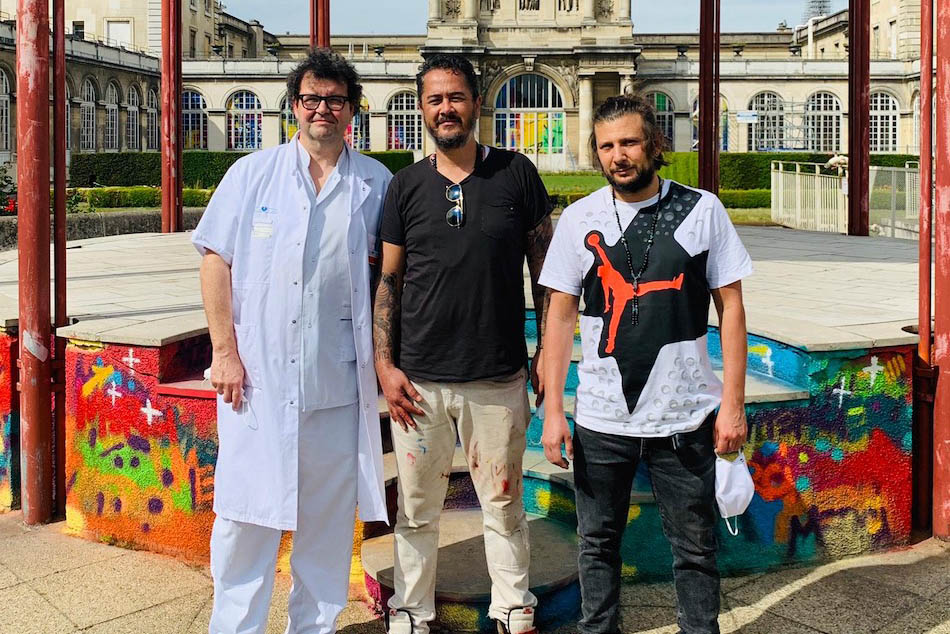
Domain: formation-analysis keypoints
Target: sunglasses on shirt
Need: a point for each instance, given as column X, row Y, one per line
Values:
column 455, row 216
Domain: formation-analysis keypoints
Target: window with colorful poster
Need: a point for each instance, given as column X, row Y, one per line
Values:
column 357, row 133
column 244, row 121
column 529, row 116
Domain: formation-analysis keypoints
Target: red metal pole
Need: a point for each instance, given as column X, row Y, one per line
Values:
column 941, row 517
column 36, row 429
column 923, row 370
column 314, row 23
column 709, row 95
column 926, row 174
column 323, row 22
column 859, row 117
column 171, row 117
column 59, row 244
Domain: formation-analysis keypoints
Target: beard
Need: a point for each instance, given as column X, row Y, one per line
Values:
column 451, row 141
column 642, row 180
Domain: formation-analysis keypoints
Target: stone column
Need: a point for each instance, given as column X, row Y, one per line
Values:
column 270, row 129
column 378, row 137
column 435, row 10
column 587, row 9
column 217, row 139
column 584, row 113
column 469, row 9
column 623, row 10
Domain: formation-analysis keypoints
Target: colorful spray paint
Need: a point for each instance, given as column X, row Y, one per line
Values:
column 9, row 426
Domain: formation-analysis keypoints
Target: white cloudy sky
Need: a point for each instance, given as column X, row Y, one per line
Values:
column 408, row 16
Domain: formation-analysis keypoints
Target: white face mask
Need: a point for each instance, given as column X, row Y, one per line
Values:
column 734, row 489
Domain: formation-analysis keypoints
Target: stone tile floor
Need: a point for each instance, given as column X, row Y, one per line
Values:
column 52, row 583
column 817, row 290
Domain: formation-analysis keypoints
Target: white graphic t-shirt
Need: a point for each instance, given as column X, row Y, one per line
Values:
column 652, row 378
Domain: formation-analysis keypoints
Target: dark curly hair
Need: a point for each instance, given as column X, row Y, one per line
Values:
column 454, row 63
column 326, row 64
column 654, row 141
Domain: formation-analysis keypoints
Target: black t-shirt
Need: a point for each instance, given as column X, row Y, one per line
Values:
column 463, row 298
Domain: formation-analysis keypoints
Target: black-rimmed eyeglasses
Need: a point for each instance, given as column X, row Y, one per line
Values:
column 312, row 102
column 456, row 215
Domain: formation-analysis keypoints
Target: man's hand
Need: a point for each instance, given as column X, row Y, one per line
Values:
column 537, row 376
column 227, row 376
column 556, row 433
column 401, row 396
column 729, row 433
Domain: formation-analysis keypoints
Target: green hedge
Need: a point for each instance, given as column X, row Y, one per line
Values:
column 745, row 198
column 200, row 168
column 731, row 198
column 111, row 197
column 751, row 170
column 395, row 160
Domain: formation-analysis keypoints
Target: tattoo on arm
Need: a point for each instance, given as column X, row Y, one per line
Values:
column 386, row 317
column 538, row 240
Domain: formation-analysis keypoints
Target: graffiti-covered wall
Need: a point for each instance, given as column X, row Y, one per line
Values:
column 139, row 464
column 833, row 475
column 9, row 426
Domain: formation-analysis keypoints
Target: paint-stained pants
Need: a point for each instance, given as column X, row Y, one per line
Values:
column 490, row 419
column 244, row 556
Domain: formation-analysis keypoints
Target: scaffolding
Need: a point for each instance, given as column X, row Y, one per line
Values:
column 815, row 9
column 808, row 126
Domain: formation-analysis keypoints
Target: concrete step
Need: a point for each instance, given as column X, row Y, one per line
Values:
column 462, row 573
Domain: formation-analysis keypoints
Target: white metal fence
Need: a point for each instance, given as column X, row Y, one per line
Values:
column 813, row 197
column 807, row 196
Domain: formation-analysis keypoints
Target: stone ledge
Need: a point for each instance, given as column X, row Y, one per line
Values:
column 98, row 224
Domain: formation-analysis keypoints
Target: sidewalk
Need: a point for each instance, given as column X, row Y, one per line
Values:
column 52, row 583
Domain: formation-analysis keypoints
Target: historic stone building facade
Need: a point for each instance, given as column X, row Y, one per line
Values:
column 543, row 66
column 112, row 98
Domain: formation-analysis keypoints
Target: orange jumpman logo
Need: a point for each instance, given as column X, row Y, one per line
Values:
column 621, row 291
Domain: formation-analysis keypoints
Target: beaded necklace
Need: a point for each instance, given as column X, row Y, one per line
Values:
column 635, row 315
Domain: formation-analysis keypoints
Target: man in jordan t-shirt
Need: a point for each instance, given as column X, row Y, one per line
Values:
column 647, row 390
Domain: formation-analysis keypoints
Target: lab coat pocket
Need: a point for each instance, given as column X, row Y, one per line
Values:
column 347, row 340
column 249, row 352
column 264, row 228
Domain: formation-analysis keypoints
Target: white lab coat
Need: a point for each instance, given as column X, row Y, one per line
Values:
column 258, row 221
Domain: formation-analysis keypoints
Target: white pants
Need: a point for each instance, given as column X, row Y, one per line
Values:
column 244, row 556
column 490, row 419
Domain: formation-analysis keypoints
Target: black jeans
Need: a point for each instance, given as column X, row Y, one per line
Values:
column 682, row 469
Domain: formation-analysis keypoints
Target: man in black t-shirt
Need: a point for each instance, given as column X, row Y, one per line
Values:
column 450, row 346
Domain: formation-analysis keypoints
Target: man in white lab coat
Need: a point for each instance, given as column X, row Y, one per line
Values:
column 287, row 241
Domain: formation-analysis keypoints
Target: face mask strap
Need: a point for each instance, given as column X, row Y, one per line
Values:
column 732, row 531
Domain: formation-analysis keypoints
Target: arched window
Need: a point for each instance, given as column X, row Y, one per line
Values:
column 664, row 115
column 194, row 116
column 357, row 133
column 885, row 120
column 288, row 121
column 767, row 134
column 723, row 124
column 529, row 116
column 823, row 123
column 133, row 130
column 245, row 117
column 152, row 127
column 111, row 140
column 4, row 112
column 87, row 117
column 915, row 146
column 403, row 123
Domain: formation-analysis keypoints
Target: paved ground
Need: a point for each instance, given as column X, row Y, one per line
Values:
column 52, row 583
column 817, row 290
